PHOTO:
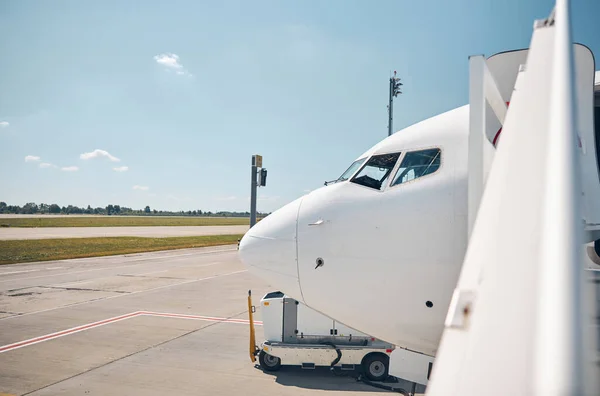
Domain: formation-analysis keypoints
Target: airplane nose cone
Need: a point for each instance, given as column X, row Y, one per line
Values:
column 269, row 251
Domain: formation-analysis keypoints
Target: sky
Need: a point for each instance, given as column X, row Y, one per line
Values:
column 163, row 103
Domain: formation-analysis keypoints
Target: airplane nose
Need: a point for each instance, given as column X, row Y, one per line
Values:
column 269, row 251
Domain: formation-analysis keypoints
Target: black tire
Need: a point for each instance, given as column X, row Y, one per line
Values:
column 376, row 366
column 269, row 362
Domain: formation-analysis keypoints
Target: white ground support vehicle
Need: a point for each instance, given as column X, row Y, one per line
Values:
column 297, row 335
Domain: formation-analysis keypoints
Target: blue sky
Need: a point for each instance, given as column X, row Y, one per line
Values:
column 163, row 103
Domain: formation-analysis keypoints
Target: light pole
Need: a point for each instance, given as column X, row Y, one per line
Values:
column 395, row 85
column 258, row 179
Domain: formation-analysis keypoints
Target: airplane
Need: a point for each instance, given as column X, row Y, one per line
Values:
column 382, row 247
column 372, row 240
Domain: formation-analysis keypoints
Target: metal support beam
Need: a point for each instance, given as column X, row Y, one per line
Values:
column 476, row 133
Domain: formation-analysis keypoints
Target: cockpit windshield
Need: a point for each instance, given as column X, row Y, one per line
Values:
column 376, row 171
column 418, row 164
column 350, row 171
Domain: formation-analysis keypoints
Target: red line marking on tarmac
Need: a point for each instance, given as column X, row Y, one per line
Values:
column 73, row 330
column 63, row 333
column 199, row 317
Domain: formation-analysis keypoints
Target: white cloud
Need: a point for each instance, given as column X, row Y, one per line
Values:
column 171, row 62
column 47, row 165
column 32, row 158
column 229, row 198
column 97, row 154
column 4, row 124
column 69, row 168
column 142, row 188
column 121, row 169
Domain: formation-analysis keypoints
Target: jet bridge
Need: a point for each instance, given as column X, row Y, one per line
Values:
column 520, row 313
column 492, row 83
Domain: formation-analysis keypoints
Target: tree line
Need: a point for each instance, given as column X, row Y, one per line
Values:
column 43, row 208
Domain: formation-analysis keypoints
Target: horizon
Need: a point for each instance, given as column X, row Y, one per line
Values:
column 115, row 209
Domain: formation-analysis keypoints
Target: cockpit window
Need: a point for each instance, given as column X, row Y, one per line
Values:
column 376, row 170
column 350, row 171
column 418, row 164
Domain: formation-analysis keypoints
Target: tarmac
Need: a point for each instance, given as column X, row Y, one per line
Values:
column 142, row 324
column 91, row 232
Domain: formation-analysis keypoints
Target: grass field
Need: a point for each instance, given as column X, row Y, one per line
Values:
column 22, row 251
column 121, row 221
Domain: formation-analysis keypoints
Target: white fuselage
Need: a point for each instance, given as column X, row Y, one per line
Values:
column 389, row 257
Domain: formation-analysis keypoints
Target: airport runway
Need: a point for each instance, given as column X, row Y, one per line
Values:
column 91, row 232
column 142, row 324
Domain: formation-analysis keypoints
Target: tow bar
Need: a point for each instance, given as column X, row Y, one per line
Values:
column 253, row 349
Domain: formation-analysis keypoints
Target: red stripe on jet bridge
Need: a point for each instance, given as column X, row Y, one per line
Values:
column 63, row 333
column 499, row 131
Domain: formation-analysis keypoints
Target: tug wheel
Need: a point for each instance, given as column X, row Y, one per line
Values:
column 269, row 362
column 375, row 366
